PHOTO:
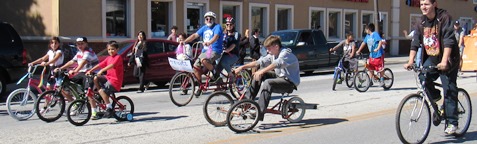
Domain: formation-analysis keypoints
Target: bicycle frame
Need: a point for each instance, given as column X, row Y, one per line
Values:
column 31, row 83
column 103, row 105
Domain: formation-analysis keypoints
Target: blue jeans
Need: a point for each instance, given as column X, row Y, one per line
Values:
column 227, row 61
column 418, row 58
column 449, row 84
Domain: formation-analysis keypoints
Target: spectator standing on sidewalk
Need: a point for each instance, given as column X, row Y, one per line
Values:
column 140, row 61
column 244, row 44
column 173, row 36
column 459, row 33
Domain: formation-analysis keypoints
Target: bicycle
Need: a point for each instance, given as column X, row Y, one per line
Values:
column 362, row 80
column 183, row 82
column 217, row 105
column 51, row 104
column 21, row 102
column 79, row 111
column 243, row 116
column 414, row 109
column 339, row 71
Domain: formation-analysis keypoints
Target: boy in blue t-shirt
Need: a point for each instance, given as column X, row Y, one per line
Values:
column 376, row 52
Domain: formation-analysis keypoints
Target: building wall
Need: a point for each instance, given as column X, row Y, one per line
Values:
column 39, row 19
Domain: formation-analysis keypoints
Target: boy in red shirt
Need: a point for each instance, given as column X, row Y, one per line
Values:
column 109, row 83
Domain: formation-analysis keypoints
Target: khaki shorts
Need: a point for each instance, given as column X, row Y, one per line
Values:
column 213, row 56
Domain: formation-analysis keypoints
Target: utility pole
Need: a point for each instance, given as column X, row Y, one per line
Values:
column 377, row 17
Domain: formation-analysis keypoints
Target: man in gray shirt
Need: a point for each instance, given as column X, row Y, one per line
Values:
column 286, row 67
column 459, row 33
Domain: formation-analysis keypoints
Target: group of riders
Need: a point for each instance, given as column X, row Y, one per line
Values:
column 279, row 69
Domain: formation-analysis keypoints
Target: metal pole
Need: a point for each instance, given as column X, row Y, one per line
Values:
column 376, row 13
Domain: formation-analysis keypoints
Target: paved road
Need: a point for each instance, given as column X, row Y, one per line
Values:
column 343, row 116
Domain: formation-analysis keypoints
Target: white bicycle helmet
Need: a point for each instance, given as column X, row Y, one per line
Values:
column 210, row 14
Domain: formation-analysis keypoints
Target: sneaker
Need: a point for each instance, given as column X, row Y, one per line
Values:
column 198, row 92
column 139, row 91
column 109, row 113
column 94, row 116
column 183, row 92
column 450, row 129
column 74, row 110
column 339, row 81
column 146, row 86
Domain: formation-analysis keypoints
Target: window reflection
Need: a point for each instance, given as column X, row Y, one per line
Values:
column 116, row 18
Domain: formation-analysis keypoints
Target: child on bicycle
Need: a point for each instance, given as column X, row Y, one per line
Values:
column 376, row 52
column 286, row 67
column 109, row 83
column 53, row 58
column 440, row 49
column 349, row 48
column 212, row 34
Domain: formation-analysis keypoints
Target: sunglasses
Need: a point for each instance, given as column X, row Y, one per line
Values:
column 229, row 24
column 208, row 19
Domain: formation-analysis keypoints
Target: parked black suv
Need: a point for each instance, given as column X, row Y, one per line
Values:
column 12, row 56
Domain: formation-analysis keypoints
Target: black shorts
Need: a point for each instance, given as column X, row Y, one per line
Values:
column 105, row 85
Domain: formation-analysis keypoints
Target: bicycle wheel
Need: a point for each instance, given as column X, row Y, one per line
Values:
column 335, row 78
column 291, row 112
column 362, row 82
column 464, row 111
column 349, row 78
column 413, row 119
column 240, row 83
column 21, row 104
column 122, row 108
column 216, row 107
column 79, row 112
column 243, row 116
column 388, row 78
column 50, row 106
column 181, row 88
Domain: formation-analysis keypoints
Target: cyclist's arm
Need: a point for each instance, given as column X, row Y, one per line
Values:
column 380, row 44
column 57, row 56
column 44, row 58
column 190, row 38
column 230, row 48
column 337, row 46
column 213, row 40
column 80, row 66
column 68, row 64
column 361, row 47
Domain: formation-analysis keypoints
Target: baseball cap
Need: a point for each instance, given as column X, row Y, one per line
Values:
column 82, row 39
column 457, row 23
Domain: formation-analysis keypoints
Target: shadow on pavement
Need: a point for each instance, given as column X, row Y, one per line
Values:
column 161, row 118
column 3, row 112
column 308, row 123
column 468, row 137
column 144, row 113
column 404, row 88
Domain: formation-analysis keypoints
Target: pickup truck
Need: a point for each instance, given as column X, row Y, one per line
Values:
column 310, row 47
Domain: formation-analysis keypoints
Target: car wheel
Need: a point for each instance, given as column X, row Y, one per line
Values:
column 3, row 86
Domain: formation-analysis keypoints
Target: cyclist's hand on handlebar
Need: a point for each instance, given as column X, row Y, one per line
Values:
column 331, row 49
column 238, row 69
column 408, row 66
column 442, row 66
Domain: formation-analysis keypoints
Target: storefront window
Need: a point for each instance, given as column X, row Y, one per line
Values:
column 195, row 17
column 283, row 19
column 117, row 17
column 350, row 23
column 317, row 19
column 259, row 19
column 231, row 11
column 160, row 19
column 367, row 18
column 334, row 23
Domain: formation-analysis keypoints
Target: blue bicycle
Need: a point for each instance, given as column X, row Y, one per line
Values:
column 342, row 71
